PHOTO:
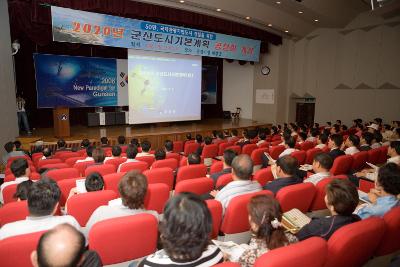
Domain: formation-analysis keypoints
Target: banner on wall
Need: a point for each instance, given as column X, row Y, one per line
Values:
column 80, row 81
column 75, row 26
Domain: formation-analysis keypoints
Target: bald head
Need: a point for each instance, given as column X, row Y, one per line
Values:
column 242, row 167
column 62, row 246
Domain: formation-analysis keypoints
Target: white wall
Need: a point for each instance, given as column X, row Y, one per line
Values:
column 8, row 118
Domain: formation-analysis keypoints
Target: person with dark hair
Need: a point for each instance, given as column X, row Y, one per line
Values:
column 22, row 190
column 313, row 135
column 121, row 140
column 104, row 142
column 188, row 137
column 261, row 136
column 245, row 140
column 64, row 246
column 43, row 198
column 377, row 140
column 234, row 136
column 185, row 235
column 115, row 153
column 394, row 152
column 322, row 163
column 284, row 169
column 384, row 196
column 207, row 141
column 365, row 141
column 47, row 153
column 146, row 146
column 386, row 132
column 18, row 147
column 321, row 141
column 360, row 129
column 227, row 159
column 334, row 143
column 160, row 154
column 89, row 155
column 242, row 169
column 132, row 188
column 131, row 153
column 335, row 129
column 290, row 143
column 135, row 142
column 339, row 122
column 9, row 147
column 219, row 138
column 341, row 200
column 193, row 158
column 20, row 168
column 62, row 145
column 169, row 146
column 351, row 143
column 267, row 232
column 98, row 155
column 301, row 137
column 85, row 143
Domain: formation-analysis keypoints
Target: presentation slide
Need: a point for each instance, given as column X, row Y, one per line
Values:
column 163, row 87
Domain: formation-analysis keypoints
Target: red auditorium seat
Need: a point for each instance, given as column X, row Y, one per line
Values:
column 190, row 148
column 148, row 159
column 390, row 240
column 228, row 264
column 111, row 181
column 297, row 196
column 300, row 156
column 116, row 162
column 125, row 238
column 311, row 252
column 16, row 250
column 383, row 154
column 341, row 165
column 8, row 193
column 248, row 149
column 156, row 197
column 55, row 166
column 43, row 162
column 318, row 202
column 160, row 175
column 71, row 161
column 81, row 206
column 354, row 244
column 65, row 187
column 307, row 145
column 102, row 169
column 64, row 156
column 129, row 166
column 165, row 163
column 178, row 146
column 264, row 176
column 359, row 160
column 173, row 156
column 61, row 174
column 11, row 159
column 33, row 176
column 190, row 172
column 275, row 151
column 222, row 147
column 209, row 151
column 197, row 186
column 223, row 180
column 215, row 208
column 14, row 211
column 373, row 155
column 81, row 166
column 256, row 155
column 237, row 149
column 216, row 167
column 310, row 154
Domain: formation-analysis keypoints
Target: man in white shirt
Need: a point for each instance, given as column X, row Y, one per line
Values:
column 20, row 168
column 290, row 143
column 394, row 152
column 321, row 141
column 89, row 157
column 132, row 188
column 116, row 153
column 131, row 153
column 242, row 168
column 10, row 149
column 321, row 165
column 43, row 200
column 146, row 146
column 352, row 143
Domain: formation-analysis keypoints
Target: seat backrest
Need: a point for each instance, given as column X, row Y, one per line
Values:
column 160, row 175
column 65, row 156
column 341, row 165
column 8, row 193
column 297, row 196
column 65, row 187
column 318, row 202
column 247, row 149
column 235, row 148
column 216, row 167
column 43, row 162
column 71, row 161
column 310, row 155
column 222, row 147
column 275, row 151
column 165, row 163
column 156, row 197
column 390, row 240
column 148, row 159
column 111, row 181
column 129, row 166
column 14, row 211
column 311, row 252
column 383, row 154
column 173, row 156
column 256, row 155
column 178, row 146
column 190, row 172
column 61, row 174
column 373, row 155
column 263, row 176
column 359, row 160
column 197, row 186
column 210, row 151
column 81, row 166
column 236, row 218
column 306, row 145
column 190, row 148
column 215, row 208
column 102, row 169
column 300, row 156
column 354, row 244
column 81, row 206
column 124, row 238
column 223, row 180
column 16, row 250
column 55, row 166
column 116, row 162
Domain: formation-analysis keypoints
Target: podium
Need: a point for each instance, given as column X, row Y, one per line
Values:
column 61, row 122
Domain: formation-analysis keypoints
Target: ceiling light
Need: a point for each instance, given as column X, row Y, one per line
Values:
column 278, row 2
column 247, row 17
column 300, row 12
column 286, row 31
column 270, row 25
column 315, row 20
column 218, row 9
column 182, row 1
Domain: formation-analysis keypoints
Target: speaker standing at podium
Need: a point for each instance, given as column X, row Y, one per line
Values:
column 22, row 117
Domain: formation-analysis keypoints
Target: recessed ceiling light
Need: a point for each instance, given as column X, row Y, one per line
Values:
column 247, row 17
column 315, row 20
column 278, row 2
column 269, row 25
column 286, row 31
column 300, row 12
column 218, row 9
column 182, row 1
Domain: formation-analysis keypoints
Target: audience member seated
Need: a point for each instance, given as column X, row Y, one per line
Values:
column 132, row 189
column 261, row 136
column 351, row 145
column 334, row 143
column 115, row 152
column 121, row 140
column 313, row 135
column 321, row 165
column 104, row 142
column 11, row 152
column 373, row 127
column 207, row 141
column 394, row 152
column 284, row 170
column 335, row 129
column 267, row 232
column 89, row 153
column 184, row 235
column 135, row 142
column 62, row 145
column 85, row 144
column 160, row 154
column 321, row 141
column 193, row 159
column 341, row 199
column 234, row 136
column 384, row 195
column 131, row 153
column 198, row 139
column 43, row 200
column 47, row 153
column 227, row 159
column 301, row 138
column 242, row 168
column 377, row 141
column 245, row 140
column 18, row 147
column 290, row 144
column 219, row 138
column 98, row 156
column 64, row 246
column 366, row 141
column 359, row 129
column 387, row 132
column 169, row 146
column 20, row 168
column 146, row 146
column 22, row 190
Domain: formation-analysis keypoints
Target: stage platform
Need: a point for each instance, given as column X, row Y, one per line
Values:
column 155, row 133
